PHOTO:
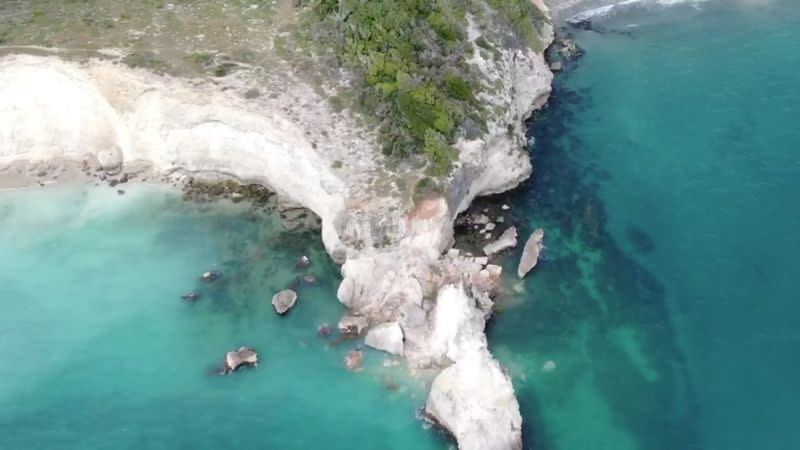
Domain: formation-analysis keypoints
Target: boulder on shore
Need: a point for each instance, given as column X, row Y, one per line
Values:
column 352, row 325
column 530, row 255
column 387, row 337
column 506, row 240
column 284, row 300
column 244, row 357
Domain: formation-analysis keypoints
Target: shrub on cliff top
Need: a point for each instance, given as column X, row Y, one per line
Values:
column 412, row 56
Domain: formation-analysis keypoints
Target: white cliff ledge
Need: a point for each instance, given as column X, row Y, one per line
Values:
column 390, row 245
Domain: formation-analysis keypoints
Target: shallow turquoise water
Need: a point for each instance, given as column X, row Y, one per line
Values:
column 99, row 352
column 666, row 174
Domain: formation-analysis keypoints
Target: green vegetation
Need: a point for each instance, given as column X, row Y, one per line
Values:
column 412, row 55
column 524, row 17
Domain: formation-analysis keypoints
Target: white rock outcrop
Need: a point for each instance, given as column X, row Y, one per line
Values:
column 474, row 399
column 387, row 337
column 506, row 240
column 530, row 254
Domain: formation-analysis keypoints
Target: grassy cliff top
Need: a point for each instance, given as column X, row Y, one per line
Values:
column 410, row 60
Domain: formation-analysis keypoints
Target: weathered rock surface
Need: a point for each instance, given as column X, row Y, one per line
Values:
column 244, row 357
column 474, row 399
column 387, row 337
column 283, row 301
column 506, row 240
column 352, row 325
column 530, row 254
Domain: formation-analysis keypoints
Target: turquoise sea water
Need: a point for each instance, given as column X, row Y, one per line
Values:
column 666, row 170
column 99, row 352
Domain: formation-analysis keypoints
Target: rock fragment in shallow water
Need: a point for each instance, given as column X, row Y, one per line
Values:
column 354, row 359
column 211, row 275
column 352, row 325
column 191, row 296
column 244, row 357
column 303, row 262
column 530, row 255
column 284, row 300
column 506, row 240
column 387, row 337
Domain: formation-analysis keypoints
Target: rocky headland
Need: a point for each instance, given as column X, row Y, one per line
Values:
column 390, row 233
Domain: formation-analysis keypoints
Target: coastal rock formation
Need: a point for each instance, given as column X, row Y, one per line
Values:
column 475, row 401
column 244, row 357
column 506, row 240
column 530, row 254
column 352, row 325
column 472, row 398
column 389, row 240
column 283, row 301
column 387, row 337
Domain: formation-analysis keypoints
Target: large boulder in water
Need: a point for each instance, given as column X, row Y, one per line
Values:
column 284, row 300
column 530, row 254
column 244, row 357
column 474, row 400
column 387, row 337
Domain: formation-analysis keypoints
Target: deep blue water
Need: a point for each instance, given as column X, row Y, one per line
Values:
column 666, row 173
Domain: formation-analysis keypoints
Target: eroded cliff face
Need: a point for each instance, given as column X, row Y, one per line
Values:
column 390, row 243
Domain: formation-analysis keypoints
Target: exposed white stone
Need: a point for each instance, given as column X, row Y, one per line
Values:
column 490, row 226
column 387, row 337
column 530, row 254
column 506, row 240
column 283, row 301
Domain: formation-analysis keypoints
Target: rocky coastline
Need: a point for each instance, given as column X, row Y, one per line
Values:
column 62, row 121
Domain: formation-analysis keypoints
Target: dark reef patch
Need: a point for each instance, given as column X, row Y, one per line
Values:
column 615, row 313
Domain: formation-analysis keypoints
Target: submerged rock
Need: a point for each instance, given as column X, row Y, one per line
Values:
column 244, row 357
column 387, row 337
column 506, row 240
column 354, row 359
column 530, row 255
column 210, row 276
column 191, row 296
column 324, row 330
column 284, row 301
column 303, row 262
column 309, row 279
